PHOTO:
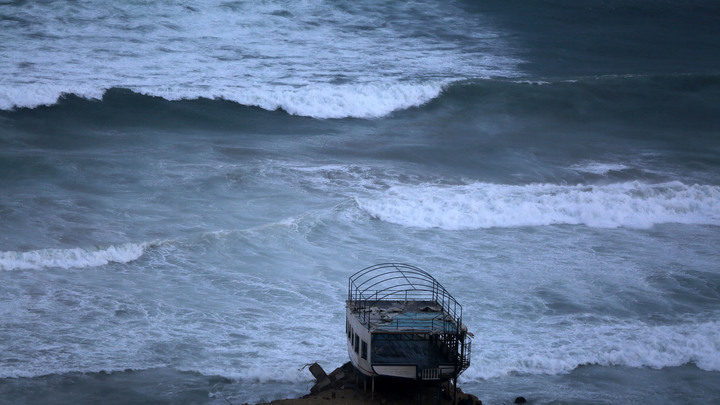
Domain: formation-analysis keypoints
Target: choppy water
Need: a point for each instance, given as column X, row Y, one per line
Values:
column 187, row 186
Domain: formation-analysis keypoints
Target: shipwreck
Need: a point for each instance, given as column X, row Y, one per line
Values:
column 402, row 323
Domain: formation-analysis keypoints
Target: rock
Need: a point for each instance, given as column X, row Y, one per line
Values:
column 467, row 399
column 337, row 377
column 323, row 381
column 343, row 380
column 317, row 371
column 520, row 400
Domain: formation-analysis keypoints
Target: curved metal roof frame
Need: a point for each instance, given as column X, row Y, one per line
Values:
column 385, row 280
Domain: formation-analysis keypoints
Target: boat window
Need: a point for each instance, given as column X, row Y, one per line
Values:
column 357, row 343
column 363, row 352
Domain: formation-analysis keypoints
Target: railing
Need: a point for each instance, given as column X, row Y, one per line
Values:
column 465, row 357
column 430, row 374
column 427, row 325
column 401, row 282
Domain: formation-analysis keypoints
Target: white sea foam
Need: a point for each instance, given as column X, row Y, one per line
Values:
column 307, row 58
column 631, row 344
column 599, row 168
column 485, row 205
column 368, row 100
column 35, row 95
column 361, row 100
column 71, row 258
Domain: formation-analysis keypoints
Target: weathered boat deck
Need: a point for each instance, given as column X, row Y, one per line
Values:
column 404, row 317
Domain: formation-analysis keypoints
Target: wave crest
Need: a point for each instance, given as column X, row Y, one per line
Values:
column 484, row 205
column 323, row 101
column 71, row 258
column 340, row 101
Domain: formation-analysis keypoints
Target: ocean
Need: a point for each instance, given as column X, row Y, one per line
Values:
column 186, row 186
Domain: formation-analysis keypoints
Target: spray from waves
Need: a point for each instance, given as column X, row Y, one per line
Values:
column 483, row 205
column 615, row 343
column 72, row 258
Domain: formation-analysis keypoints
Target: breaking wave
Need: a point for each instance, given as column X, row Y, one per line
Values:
column 72, row 258
column 619, row 344
column 371, row 100
column 485, row 205
column 310, row 58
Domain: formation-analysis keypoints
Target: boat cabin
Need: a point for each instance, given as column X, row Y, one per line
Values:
column 400, row 322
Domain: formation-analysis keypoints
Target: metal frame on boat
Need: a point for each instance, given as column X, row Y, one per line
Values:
column 402, row 323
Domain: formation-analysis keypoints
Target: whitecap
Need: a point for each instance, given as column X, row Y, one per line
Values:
column 616, row 343
column 71, row 258
column 486, row 205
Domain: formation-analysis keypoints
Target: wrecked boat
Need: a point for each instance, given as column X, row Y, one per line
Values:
column 402, row 323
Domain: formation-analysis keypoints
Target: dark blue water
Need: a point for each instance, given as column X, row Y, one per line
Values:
column 186, row 187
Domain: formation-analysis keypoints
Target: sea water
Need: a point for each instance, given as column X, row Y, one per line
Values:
column 186, row 186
